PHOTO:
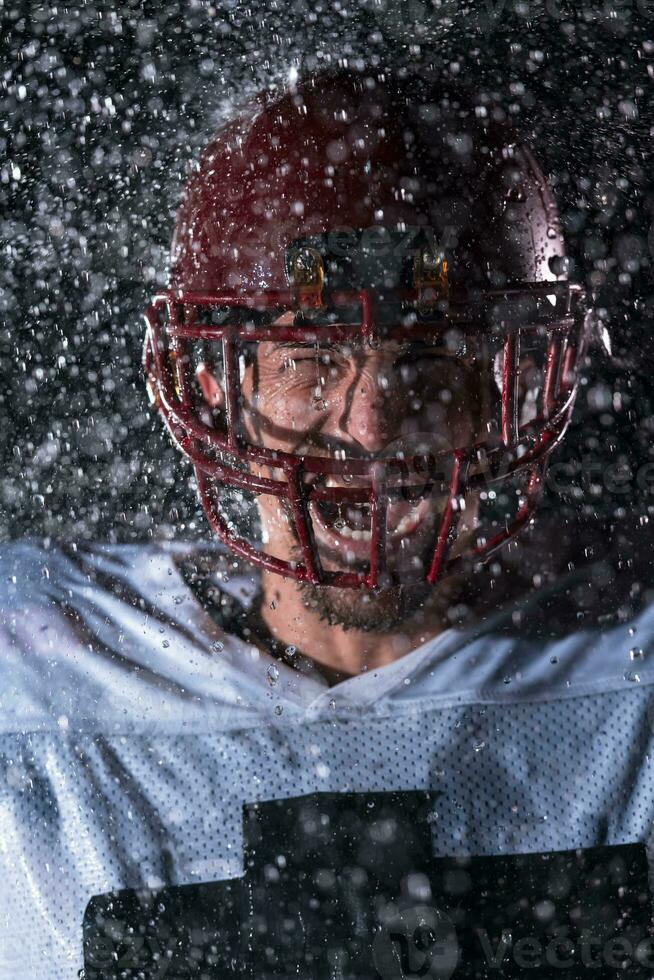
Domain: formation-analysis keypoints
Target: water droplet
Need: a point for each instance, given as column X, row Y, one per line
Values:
column 629, row 675
column 507, row 680
column 290, row 651
column 636, row 653
column 273, row 675
column 332, row 704
column 278, row 709
column 217, row 646
column 478, row 746
column 166, row 644
column 554, row 660
column 632, row 631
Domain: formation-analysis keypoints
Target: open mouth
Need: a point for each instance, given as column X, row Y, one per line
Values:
column 346, row 528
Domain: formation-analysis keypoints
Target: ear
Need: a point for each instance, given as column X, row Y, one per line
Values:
column 212, row 391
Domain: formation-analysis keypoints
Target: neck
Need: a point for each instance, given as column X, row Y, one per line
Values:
column 294, row 620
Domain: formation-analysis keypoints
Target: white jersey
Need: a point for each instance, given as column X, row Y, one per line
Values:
column 140, row 744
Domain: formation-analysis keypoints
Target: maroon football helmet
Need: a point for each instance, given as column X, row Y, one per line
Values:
column 360, row 210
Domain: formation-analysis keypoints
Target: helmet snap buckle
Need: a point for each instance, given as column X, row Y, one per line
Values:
column 306, row 274
column 430, row 278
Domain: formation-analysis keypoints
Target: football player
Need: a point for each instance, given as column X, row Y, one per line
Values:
column 324, row 746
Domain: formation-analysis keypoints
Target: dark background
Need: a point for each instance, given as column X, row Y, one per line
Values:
column 103, row 105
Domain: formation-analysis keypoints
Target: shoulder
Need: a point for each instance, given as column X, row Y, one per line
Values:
column 567, row 611
column 25, row 573
column 37, row 573
column 567, row 638
column 101, row 635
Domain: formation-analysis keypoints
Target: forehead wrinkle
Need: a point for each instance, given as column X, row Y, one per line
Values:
column 301, row 345
column 356, row 344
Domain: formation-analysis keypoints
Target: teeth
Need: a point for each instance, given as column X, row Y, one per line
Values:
column 348, row 532
column 407, row 524
column 355, row 517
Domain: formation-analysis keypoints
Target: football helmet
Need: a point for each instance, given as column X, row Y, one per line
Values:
column 356, row 212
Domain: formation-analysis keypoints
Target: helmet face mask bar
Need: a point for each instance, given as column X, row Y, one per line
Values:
column 175, row 324
column 476, row 339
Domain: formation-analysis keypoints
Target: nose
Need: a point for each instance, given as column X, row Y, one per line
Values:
column 368, row 420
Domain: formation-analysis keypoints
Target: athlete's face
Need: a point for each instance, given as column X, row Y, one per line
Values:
column 356, row 401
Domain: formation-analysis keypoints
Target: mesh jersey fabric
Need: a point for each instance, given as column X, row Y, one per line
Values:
column 133, row 730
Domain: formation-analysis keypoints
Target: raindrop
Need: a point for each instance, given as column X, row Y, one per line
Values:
column 273, row 675
column 554, row 660
column 166, row 644
column 318, row 403
column 290, row 651
column 632, row 631
column 217, row 646
column 332, row 704
column 629, row 675
column 278, row 709
column 636, row 653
